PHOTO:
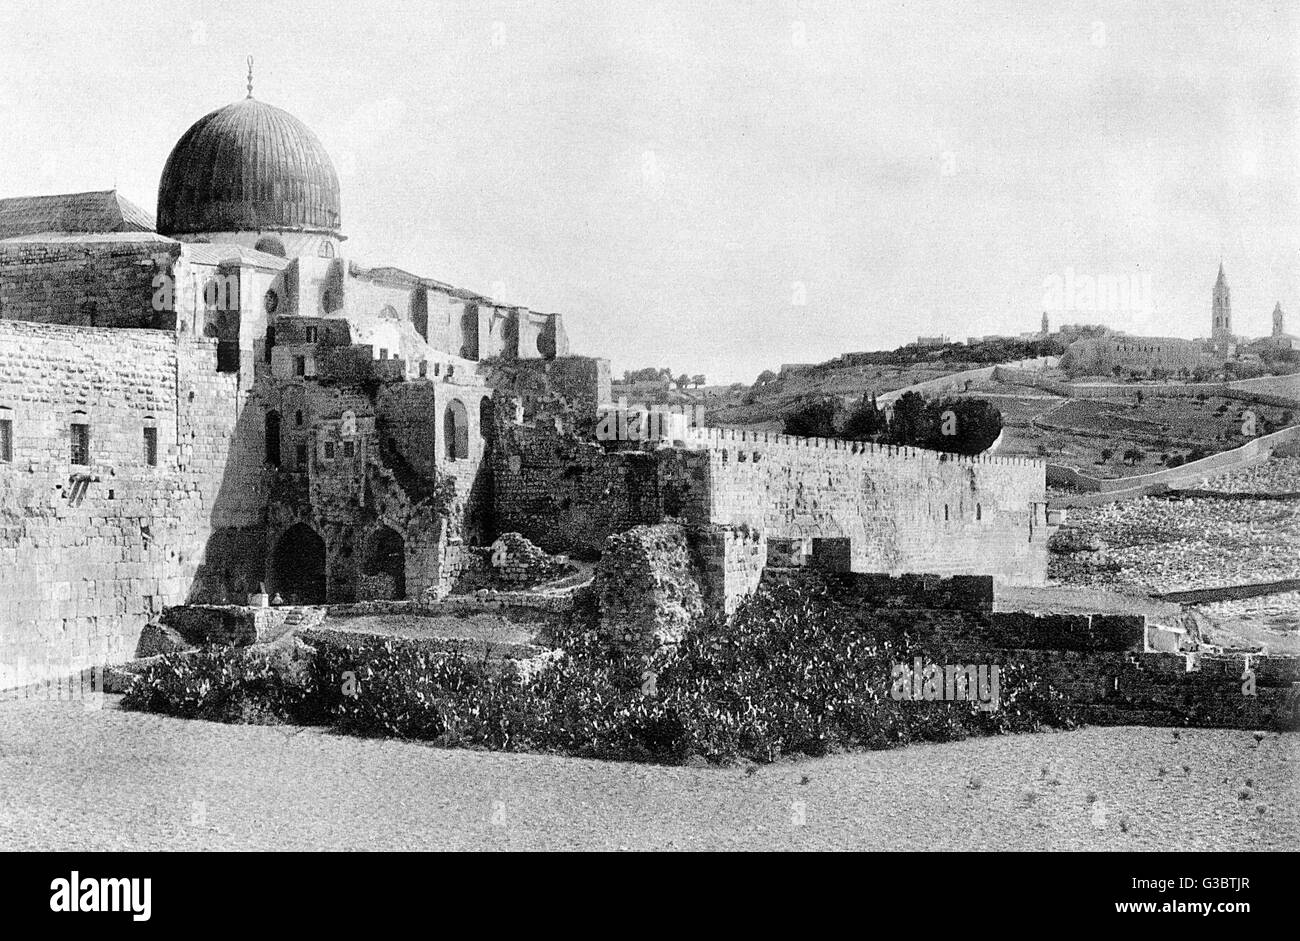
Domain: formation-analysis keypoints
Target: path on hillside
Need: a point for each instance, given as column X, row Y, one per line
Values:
column 72, row 779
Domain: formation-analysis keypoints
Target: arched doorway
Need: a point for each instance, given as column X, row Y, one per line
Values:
column 384, row 557
column 455, row 430
column 298, row 566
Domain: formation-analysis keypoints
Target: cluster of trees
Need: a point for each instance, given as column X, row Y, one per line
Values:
column 955, row 425
column 1000, row 350
column 661, row 374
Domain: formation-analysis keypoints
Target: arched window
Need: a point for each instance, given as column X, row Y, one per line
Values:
column 455, row 430
column 273, row 438
column 485, row 413
column 326, row 250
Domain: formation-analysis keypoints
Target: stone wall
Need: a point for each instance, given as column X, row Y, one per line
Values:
column 1102, row 664
column 904, row 509
column 102, row 284
column 90, row 553
column 569, row 495
column 733, row 560
column 647, row 588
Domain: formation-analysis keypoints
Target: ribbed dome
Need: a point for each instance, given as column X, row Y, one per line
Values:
column 245, row 167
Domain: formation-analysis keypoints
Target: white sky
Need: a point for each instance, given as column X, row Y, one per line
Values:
column 670, row 176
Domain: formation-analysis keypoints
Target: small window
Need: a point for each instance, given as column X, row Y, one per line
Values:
column 272, row 437
column 80, row 444
column 437, row 369
column 424, row 368
column 297, row 418
column 349, row 448
column 151, row 446
column 312, row 334
column 300, row 455
column 329, row 450
column 6, row 440
column 383, row 353
column 300, row 366
column 979, row 512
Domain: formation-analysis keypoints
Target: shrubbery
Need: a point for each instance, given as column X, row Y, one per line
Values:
column 791, row 673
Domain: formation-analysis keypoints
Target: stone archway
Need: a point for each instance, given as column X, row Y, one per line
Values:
column 455, row 430
column 298, row 566
column 383, row 565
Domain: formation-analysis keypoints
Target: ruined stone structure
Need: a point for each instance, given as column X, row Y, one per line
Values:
column 228, row 404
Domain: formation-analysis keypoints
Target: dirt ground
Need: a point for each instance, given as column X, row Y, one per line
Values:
column 73, row 778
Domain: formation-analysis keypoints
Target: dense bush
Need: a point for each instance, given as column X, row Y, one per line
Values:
column 227, row 684
column 791, row 673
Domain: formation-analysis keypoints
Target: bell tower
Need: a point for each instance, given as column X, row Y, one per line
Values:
column 1221, row 324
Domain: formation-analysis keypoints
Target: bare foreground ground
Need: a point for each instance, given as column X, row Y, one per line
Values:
column 77, row 779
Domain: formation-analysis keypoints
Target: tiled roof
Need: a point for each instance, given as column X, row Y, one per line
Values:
column 100, row 211
column 75, row 238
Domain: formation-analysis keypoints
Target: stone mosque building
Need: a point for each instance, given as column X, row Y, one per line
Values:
column 223, row 398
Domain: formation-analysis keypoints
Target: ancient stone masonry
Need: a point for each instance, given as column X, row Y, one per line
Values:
column 903, row 509
column 95, row 539
column 900, row 509
column 647, row 588
column 103, row 284
column 510, row 563
column 1103, row 664
column 233, row 408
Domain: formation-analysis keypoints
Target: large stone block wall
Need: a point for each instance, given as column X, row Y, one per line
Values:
column 568, row 495
column 88, row 554
column 648, row 588
column 104, row 284
column 733, row 559
column 904, row 509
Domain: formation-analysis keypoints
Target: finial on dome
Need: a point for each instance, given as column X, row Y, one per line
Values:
column 250, row 76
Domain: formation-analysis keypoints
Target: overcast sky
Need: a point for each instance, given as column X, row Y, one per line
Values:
column 721, row 188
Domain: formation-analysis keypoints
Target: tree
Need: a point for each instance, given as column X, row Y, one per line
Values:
column 908, row 427
column 865, row 422
column 697, row 381
column 683, row 381
column 815, row 419
column 962, row 425
column 1134, row 456
column 1106, row 455
column 765, row 377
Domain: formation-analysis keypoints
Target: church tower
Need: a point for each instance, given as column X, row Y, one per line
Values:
column 1277, row 320
column 1222, row 311
column 1045, row 329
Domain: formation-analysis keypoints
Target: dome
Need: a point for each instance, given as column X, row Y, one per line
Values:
column 246, row 167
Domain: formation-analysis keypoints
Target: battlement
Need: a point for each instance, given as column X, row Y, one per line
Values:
column 724, row 438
